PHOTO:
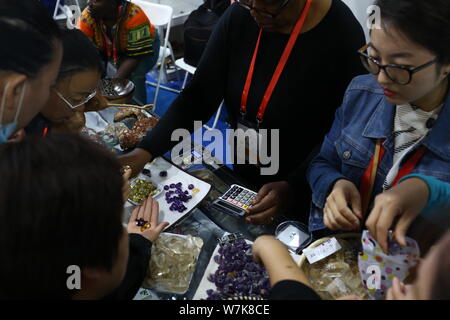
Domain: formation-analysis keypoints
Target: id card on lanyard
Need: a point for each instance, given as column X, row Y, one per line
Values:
column 247, row 126
column 111, row 44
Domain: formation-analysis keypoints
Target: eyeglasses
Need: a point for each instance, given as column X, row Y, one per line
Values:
column 76, row 104
column 401, row 75
column 248, row 4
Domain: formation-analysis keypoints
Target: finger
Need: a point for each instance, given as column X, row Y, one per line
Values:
column 340, row 206
column 355, row 203
column 389, row 295
column 396, row 289
column 326, row 221
column 373, row 217
column 160, row 227
column 155, row 213
column 331, row 221
column 127, row 174
column 264, row 217
column 340, row 220
column 383, row 225
column 141, row 210
column 148, row 208
column 262, row 193
column 134, row 215
column 401, row 228
column 266, row 203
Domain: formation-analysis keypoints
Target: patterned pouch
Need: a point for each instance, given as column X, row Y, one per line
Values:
column 378, row 269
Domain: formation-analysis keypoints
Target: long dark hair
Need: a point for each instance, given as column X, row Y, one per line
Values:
column 60, row 205
column 27, row 34
column 426, row 22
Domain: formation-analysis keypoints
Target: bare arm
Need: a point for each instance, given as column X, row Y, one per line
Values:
column 277, row 260
column 126, row 68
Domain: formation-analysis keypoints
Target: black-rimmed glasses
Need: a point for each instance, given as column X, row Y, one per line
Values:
column 248, row 4
column 401, row 75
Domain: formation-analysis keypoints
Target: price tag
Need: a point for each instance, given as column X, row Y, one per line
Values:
column 322, row 251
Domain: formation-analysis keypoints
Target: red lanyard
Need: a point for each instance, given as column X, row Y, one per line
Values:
column 114, row 32
column 44, row 134
column 281, row 64
column 368, row 178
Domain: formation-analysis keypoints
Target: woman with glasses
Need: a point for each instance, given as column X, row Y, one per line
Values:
column 75, row 91
column 298, row 54
column 392, row 123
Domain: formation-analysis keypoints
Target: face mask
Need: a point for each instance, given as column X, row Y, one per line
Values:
column 6, row 130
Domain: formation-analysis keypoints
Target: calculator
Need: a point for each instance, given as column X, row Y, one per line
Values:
column 235, row 201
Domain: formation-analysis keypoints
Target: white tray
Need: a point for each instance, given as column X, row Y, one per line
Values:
column 174, row 175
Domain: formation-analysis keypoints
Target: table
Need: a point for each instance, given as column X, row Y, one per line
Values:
column 209, row 224
column 204, row 221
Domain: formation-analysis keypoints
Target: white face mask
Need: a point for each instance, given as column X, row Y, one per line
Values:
column 6, row 130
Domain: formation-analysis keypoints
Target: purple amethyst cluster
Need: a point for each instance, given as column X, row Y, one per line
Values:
column 176, row 196
column 237, row 274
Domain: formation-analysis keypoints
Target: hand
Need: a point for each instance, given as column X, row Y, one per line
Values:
column 266, row 243
column 126, row 188
column 149, row 211
column 405, row 200
column 17, row 136
column 272, row 199
column 400, row 291
column 343, row 207
column 136, row 159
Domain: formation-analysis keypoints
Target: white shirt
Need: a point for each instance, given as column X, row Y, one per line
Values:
column 410, row 128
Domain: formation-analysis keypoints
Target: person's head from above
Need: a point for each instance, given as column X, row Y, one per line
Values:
column 433, row 280
column 104, row 9
column 274, row 15
column 413, row 49
column 61, row 205
column 76, row 86
column 30, row 56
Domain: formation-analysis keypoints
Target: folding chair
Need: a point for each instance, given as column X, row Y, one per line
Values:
column 66, row 11
column 161, row 17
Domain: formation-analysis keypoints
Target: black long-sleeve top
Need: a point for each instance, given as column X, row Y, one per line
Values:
column 137, row 268
column 292, row 290
column 311, row 87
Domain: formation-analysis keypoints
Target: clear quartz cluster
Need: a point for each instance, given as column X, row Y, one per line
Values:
column 337, row 275
column 173, row 262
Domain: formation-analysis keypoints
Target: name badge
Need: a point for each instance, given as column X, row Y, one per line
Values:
column 247, row 143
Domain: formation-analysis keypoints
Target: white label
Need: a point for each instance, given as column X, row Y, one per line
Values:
column 322, row 251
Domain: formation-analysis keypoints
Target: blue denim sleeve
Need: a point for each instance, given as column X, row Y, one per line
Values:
column 439, row 193
column 324, row 171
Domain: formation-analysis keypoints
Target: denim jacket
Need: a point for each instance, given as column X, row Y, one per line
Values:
column 364, row 117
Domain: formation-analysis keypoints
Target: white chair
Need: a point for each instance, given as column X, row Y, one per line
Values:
column 161, row 17
column 66, row 12
column 180, row 63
